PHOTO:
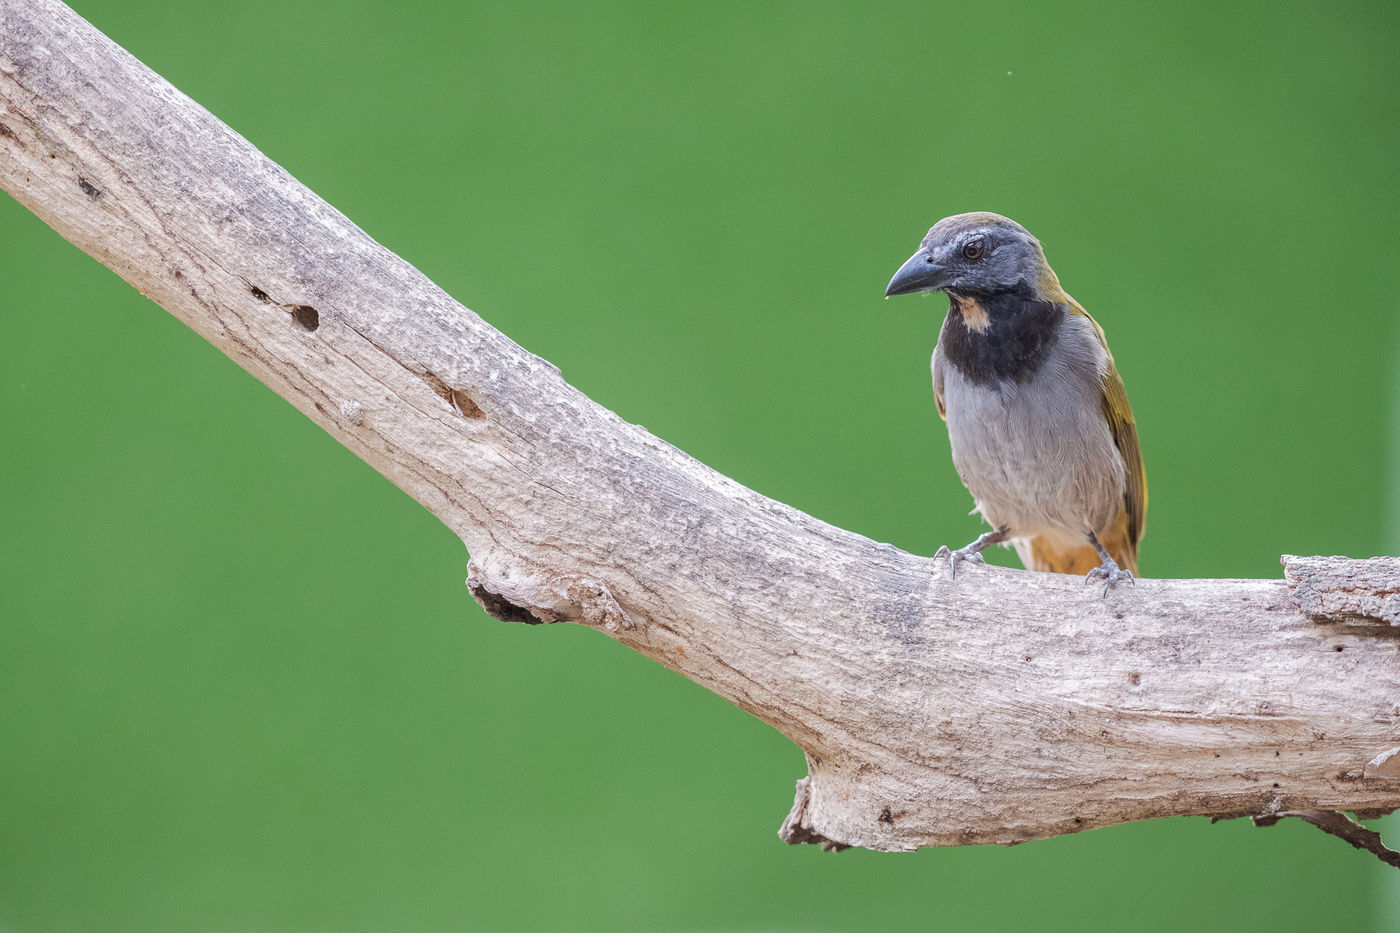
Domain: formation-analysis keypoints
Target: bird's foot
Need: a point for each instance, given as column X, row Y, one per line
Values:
column 1110, row 573
column 970, row 554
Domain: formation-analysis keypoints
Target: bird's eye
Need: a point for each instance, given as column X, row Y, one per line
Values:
column 974, row 249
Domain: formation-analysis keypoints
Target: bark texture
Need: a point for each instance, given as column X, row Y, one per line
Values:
column 1000, row 707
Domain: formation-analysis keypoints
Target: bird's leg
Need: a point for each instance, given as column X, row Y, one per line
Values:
column 1109, row 569
column 972, row 553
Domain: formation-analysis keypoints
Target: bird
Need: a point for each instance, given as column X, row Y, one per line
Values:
column 1038, row 420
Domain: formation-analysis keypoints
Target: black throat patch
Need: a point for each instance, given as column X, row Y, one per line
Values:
column 999, row 337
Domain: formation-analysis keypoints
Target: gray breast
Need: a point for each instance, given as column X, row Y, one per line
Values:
column 1037, row 454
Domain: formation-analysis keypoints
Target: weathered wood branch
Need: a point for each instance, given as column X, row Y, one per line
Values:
column 1002, row 707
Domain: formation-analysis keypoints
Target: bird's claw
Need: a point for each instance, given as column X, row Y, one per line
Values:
column 956, row 557
column 1110, row 573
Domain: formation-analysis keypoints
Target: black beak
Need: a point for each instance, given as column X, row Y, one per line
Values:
column 919, row 274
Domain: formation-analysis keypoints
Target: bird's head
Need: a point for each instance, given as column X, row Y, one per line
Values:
column 976, row 255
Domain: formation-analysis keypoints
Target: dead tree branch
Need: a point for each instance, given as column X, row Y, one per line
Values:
column 1002, row 707
column 1343, row 827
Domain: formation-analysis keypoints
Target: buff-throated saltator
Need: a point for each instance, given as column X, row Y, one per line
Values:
column 1038, row 420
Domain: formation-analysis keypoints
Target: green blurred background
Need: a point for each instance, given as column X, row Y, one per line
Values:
column 242, row 686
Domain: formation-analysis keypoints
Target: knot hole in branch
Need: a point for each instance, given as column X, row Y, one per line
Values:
column 458, row 399
column 306, row 317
